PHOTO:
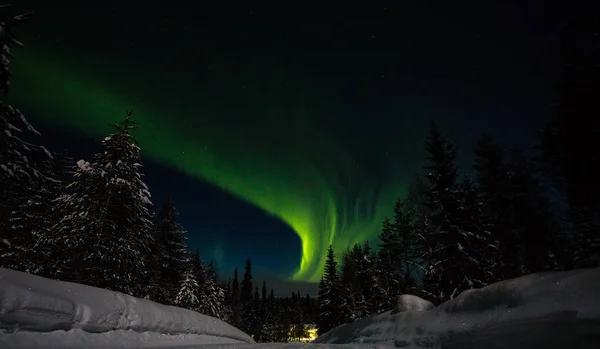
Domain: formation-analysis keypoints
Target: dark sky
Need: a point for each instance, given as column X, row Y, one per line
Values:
column 279, row 130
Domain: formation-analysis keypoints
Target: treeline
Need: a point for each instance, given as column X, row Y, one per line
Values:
column 94, row 223
column 519, row 215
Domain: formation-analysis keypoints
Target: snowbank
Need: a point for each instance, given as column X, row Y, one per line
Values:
column 408, row 302
column 545, row 310
column 36, row 310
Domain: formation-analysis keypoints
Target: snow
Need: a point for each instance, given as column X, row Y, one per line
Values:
column 552, row 310
column 544, row 310
column 35, row 311
column 48, row 154
column 408, row 302
column 83, row 165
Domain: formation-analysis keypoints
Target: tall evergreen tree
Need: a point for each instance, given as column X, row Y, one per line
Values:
column 34, row 218
column 235, row 302
column 494, row 180
column 22, row 171
column 170, row 252
column 358, row 278
column 405, row 240
column 270, row 324
column 256, row 331
column 532, row 216
column 189, row 291
column 247, row 301
column 264, row 305
column 387, row 276
column 212, row 296
column 331, row 296
column 453, row 241
column 566, row 142
column 105, row 229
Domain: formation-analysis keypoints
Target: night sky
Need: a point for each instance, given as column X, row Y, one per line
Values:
column 280, row 130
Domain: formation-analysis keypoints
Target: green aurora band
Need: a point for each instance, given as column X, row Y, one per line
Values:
column 280, row 164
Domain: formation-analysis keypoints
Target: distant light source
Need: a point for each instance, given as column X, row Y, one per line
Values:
column 302, row 333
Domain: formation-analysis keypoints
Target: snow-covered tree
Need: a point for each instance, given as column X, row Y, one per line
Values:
column 235, row 302
column 331, row 296
column 35, row 217
column 359, row 281
column 531, row 216
column 270, row 323
column 212, row 295
column 104, row 233
column 21, row 163
column 248, row 315
column 493, row 179
column 455, row 238
column 189, row 291
column 388, row 262
column 170, row 254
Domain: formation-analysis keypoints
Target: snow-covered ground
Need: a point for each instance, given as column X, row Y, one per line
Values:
column 36, row 312
column 548, row 310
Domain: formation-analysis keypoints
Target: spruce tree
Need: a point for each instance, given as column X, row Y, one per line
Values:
column 494, row 186
column 247, row 301
column 359, row 279
column 170, row 250
column 331, row 296
column 35, row 217
column 533, row 220
column 453, row 241
column 387, row 276
column 104, row 233
column 567, row 142
column 235, row 302
column 22, row 171
column 264, row 305
column 269, row 327
column 256, row 331
column 189, row 291
column 404, row 243
column 212, row 296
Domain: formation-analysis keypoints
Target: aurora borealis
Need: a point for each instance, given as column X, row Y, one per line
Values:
column 317, row 122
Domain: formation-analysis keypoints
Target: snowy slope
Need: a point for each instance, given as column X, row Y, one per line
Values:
column 37, row 312
column 558, row 310
column 545, row 310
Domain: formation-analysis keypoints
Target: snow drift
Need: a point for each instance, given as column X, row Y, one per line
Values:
column 544, row 310
column 35, row 310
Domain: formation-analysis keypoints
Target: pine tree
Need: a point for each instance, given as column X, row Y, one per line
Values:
column 494, row 179
column 453, row 241
column 533, row 220
column 235, row 302
column 256, row 331
column 331, row 296
column 405, row 240
column 264, row 308
column 35, row 217
column 387, row 276
column 247, row 301
column 189, row 291
column 479, row 248
column 212, row 296
column 171, row 254
column 21, row 163
column 358, row 278
column 270, row 325
column 566, row 142
column 104, row 232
